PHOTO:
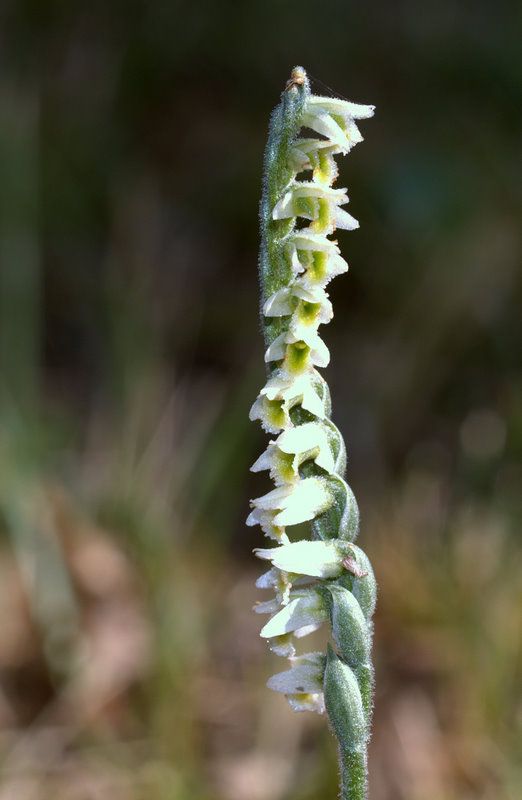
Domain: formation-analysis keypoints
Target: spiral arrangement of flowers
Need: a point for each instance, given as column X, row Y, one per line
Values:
column 324, row 577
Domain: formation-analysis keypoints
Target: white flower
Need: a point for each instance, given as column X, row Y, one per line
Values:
column 286, row 302
column 317, row 559
column 319, row 353
column 298, row 390
column 303, row 683
column 294, row 503
column 301, row 199
column 342, row 129
column 332, row 263
column 304, row 442
column 306, row 677
column 307, row 441
column 281, row 393
column 305, row 611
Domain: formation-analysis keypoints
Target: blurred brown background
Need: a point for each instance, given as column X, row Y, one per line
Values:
column 131, row 145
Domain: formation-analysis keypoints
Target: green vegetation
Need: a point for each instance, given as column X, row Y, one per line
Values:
column 130, row 141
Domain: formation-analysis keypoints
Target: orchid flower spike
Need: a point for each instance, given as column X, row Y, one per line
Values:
column 323, row 578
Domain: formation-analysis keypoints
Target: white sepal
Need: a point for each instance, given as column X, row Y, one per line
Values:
column 305, row 677
column 309, row 497
column 344, row 220
column 319, row 120
column 316, row 559
column 265, row 459
column 278, row 305
column 286, row 206
column 306, row 630
column 274, row 500
column 277, row 580
column 343, row 108
column 308, row 608
column 277, row 349
column 303, row 240
column 267, row 607
column 294, row 503
column 265, row 518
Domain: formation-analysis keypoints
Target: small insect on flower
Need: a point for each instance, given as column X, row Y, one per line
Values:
column 297, row 78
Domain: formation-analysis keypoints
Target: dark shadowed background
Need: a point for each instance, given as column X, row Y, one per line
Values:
column 131, row 145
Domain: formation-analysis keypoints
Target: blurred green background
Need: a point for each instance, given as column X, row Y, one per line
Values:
column 131, row 146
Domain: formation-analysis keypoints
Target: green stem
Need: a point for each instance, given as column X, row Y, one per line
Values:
column 353, row 765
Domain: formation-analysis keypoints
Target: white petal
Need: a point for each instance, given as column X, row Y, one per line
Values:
column 344, row 108
column 284, row 208
column 278, row 305
column 274, row 500
column 268, row 580
column 277, row 580
column 305, row 500
column 268, row 607
column 310, row 189
column 313, row 241
column 306, row 630
column 323, row 123
column 266, row 520
column 299, row 158
column 307, row 609
column 291, row 253
column 253, row 518
column 275, row 388
column 311, row 145
column 337, row 265
column 265, row 459
column 310, row 294
column 302, row 679
column 310, row 400
column 314, row 659
column 277, row 349
column 317, row 559
column 353, row 133
column 344, row 220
